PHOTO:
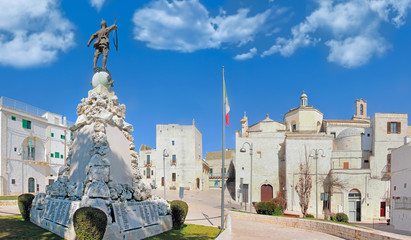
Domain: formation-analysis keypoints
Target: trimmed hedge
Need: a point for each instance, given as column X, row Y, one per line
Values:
column 268, row 208
column 179, row 210
column 309, row 216
column 89, row 223
column 341, row 217
column 24, row 202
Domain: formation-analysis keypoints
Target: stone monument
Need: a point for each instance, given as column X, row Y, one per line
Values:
column 101, row 171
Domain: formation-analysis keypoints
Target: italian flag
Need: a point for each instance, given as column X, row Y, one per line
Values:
column 227, row 107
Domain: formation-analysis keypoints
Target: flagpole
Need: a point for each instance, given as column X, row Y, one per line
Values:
column 223, row 157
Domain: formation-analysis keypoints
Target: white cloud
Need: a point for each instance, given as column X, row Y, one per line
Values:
column 97, row 4
column 352, row 52
column 32, row 33
column 345, row 25
column 248, row 55
column 186, row 26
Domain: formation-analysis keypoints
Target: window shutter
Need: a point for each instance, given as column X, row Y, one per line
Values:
column 399, row 127
column 24, row 123
column 388, row 127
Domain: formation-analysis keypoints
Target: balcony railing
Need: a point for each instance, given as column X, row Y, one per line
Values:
column 147, row 164
column 402, row 202
column 173, row 162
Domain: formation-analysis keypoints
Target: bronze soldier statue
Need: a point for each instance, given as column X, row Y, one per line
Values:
column 102, row 43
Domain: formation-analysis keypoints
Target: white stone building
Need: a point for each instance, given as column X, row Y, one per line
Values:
column 214, row 160
column 184, row 166
column 33, row 144
column 356, row 151
column 401, row 187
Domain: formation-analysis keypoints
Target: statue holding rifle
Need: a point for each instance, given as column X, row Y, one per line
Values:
column 102, row 43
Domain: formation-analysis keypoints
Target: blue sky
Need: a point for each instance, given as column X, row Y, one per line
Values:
column 168, row 67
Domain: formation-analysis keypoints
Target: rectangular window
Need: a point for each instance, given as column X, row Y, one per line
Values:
column 225, row 170
column 26, row 124
column 174, row 157
column 51, row 154
column 148, row 160
column 172, row 142
column 148, row 173
column 294, row 128
column 15, row 149
column 57, row 154
column 333, row 134
column 259, row 154
column 71, row 136
column 52, row 134
column 174, row 160
column 211, row 172
column 13, row 118
column 173, row 177
column 13, row 181
column 51, row 181
column 393, row 127
column 62, row 137
column 61, row 156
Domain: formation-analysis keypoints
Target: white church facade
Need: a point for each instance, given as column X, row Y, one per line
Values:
column 33, row 144
column 356, row 152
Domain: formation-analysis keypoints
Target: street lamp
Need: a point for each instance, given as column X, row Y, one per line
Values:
column 165, row 154
column 242, row 149
column 316, row 151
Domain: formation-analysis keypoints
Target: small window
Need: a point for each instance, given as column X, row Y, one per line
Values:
column 26, row 124
column 13, row 181
column 15, row 149
column 366, row 161
column 174, row 157
column 259, row 154
column 148, row 173
column 13, row 118
column 152, row 172
column 395, row 188
column 62, row 137
column 172, row 142
column 52, row 134
column 51, row 181
column 57, row 154
column 405, row 185
column 368, row 135
column 51, row 154
column 61, row 156
column 173, row 177
column 71, row 136
column 346, row 165
column 294, row 127
column 148, row 159
column 393, row 127
column 333, row 134
column 211, row 172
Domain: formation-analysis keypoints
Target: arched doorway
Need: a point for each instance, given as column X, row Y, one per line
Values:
column 31, row 185
column 198, row 183
column 266, row 192
column 354, row 205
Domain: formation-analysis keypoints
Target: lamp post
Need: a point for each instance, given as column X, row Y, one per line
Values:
column 315, row 152
column 242, row 149
column 165, row 154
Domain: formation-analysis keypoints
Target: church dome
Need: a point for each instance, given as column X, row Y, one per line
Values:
column 349, row 132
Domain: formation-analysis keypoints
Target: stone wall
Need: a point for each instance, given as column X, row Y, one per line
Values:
column 339, row 230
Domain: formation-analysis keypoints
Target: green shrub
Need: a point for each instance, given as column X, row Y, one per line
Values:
column 179, row 210
column 268, row 208
column 341, row 217
column 309, row 216
column 89, row 223
column 24, row 202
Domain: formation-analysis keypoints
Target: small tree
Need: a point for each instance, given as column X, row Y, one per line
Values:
column 330, row 183
column 304, row 185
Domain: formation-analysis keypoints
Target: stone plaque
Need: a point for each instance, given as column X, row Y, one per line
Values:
column 61, row 211
column 135, row 215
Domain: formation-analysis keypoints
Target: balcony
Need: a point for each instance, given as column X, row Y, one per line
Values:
column 348, row 160
column 173, row 162
column 147, row 164
column 386, row 173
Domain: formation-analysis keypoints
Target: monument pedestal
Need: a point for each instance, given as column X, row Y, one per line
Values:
column 101, row 171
